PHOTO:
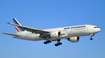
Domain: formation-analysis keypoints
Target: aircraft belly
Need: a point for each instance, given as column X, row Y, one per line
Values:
column 32, row 37
column 53, row 38
column 35, row 37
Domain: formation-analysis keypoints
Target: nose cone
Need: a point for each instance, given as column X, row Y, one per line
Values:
column 98, row 29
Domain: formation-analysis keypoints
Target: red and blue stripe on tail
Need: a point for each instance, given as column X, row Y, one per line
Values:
column 17, row 28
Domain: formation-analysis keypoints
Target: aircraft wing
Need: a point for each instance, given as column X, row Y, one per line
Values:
column 33, row 30
column 15, row 35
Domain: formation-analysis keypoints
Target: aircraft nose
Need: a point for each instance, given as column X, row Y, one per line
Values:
column 98, row 29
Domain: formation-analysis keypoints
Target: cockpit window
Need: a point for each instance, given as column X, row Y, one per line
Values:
column 95, row 27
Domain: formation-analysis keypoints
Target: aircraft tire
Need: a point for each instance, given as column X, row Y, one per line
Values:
column 91, row 38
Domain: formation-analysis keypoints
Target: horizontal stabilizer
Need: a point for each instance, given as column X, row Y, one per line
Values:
column 15, row 35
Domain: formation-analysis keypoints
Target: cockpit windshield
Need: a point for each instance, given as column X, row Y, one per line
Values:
column 95, row 27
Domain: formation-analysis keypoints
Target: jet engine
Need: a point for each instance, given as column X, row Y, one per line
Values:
column 55, row 34
column 74, row 39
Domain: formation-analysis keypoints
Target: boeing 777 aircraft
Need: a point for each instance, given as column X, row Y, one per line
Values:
column 71, row 33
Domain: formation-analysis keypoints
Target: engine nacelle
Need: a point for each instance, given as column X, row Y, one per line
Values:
column 74, row 39
column 54, row 34
column 58, row 34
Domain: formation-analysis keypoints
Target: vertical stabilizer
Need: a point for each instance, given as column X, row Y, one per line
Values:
column 17, row 28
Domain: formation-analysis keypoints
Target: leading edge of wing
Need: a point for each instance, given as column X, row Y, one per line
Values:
column 33, row 30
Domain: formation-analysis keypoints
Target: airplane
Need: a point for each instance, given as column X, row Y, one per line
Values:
column 71, row 33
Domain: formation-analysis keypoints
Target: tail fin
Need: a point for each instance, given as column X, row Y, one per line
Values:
column 17, row 28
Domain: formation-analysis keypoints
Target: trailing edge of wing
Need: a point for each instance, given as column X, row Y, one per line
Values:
column 15, row 35
column 33, row 30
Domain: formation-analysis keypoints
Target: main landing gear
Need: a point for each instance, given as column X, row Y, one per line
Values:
column 91, row 37
column 46, row 42
column 58, row 43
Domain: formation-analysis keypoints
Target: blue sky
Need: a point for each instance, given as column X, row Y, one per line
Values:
column 45, row 14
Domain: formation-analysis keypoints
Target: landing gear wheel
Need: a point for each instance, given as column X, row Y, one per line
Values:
column 46, row 42
column 91, row 38
column 57, row 44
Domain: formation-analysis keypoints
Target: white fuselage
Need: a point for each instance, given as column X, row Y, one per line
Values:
column 69, row 31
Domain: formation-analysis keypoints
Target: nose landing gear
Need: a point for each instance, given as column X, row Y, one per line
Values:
column 91, row 37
